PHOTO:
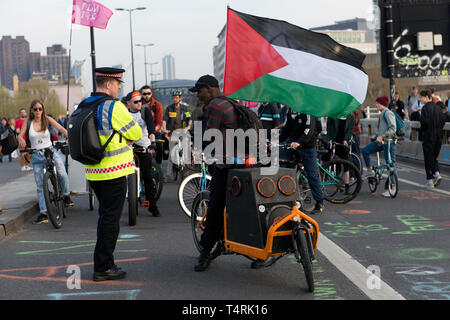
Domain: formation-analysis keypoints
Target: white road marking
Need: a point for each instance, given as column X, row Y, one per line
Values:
column 423, row 186
column 354, row 271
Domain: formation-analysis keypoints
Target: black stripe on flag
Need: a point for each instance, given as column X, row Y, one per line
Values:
column 284, row 34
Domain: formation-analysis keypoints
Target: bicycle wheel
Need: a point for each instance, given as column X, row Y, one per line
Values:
column 303, row 256
column 392, row 184
column 198, row 218
column 91, row 199
column 373, row 183
column 132, row 199
column 53, row 199
column 353, row 157
column 333, row 181
column 189, row 188
column 158, row 178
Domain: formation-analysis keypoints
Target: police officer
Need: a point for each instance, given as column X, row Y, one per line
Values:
column 108, row 178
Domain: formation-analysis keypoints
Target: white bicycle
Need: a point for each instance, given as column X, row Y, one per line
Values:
column 193, row 185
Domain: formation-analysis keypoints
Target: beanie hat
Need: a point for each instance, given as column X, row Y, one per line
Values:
column 383, row 100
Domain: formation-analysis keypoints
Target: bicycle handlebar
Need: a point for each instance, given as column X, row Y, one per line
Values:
column 56, row 144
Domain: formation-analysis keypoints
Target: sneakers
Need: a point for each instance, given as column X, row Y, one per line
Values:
column 68, row 203
column 318, row 208
column 386, row 194
column 429, row 184
column 437, row 179
column 115, row 273
column 203, row 262
column 42, row 218
column 26, row 168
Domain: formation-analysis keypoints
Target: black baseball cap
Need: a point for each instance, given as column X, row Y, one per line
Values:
column 205, row 81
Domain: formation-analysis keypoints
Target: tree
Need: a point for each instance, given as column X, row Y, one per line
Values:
column 6, row 104
column 38, row 89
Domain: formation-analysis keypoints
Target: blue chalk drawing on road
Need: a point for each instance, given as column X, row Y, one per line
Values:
column 130, row 294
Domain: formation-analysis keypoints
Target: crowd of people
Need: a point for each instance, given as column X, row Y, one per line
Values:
column 140, row 121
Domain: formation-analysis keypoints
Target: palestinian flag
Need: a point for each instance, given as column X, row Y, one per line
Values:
column 270, row 60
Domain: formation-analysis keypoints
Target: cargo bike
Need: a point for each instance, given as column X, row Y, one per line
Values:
column 262, row 220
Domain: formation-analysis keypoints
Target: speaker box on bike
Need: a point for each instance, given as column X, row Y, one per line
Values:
column 255, row 202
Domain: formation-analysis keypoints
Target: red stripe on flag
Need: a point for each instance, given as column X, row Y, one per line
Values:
column 245, row 66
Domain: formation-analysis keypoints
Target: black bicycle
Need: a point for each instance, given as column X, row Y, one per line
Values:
column 54, row 199
column 135, row 192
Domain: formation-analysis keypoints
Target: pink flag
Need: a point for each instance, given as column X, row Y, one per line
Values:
column 90, row 13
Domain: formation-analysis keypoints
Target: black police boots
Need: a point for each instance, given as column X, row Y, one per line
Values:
column 114, row 273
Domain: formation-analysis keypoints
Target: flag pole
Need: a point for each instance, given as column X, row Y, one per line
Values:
column 93, row 59
column 68, row 90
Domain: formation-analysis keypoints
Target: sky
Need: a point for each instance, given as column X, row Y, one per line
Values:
column 187, row 30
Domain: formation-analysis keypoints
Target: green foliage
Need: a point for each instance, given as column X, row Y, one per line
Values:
column 29, row 91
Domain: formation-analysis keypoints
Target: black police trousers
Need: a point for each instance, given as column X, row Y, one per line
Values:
column 214, row 223
column 111, row 197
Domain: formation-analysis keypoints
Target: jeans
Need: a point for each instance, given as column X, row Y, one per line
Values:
column 374, row 147
column 38, row 163
column 309, row 158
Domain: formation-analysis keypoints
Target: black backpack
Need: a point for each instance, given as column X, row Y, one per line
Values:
column 9, row 141
column 84, row 140
column 247, row 119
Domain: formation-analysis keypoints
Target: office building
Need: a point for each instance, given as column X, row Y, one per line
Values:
column 14, row 60
column 219, row 56
column 355, row 33
column 55, row 64
column 168, row 64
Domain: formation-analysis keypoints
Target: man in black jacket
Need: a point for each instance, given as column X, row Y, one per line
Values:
column 431, row 124
column 301, row 131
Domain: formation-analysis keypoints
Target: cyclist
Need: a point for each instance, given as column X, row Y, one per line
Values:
column 157, row 112
column 142, row 116
column 301, row 132
column 269, row 114
column 220, row 115
column 340, row 131
column 35, row 129
column 177, row 116
column 386, row 130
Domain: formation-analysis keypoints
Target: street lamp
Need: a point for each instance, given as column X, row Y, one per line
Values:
column 151, row 72
column 145, row 57
column 131, row 37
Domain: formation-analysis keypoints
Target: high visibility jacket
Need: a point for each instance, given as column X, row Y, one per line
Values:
column 118, row 159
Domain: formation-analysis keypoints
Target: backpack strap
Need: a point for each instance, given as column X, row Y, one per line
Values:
column 94, row 105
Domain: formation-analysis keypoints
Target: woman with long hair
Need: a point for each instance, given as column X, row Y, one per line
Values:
column 36, row 130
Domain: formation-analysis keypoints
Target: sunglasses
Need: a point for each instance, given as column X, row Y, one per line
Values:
column 137, row 101
column 38, row 109
column 146, row 93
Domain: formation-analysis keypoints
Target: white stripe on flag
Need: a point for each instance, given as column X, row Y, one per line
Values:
column 314, row 70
